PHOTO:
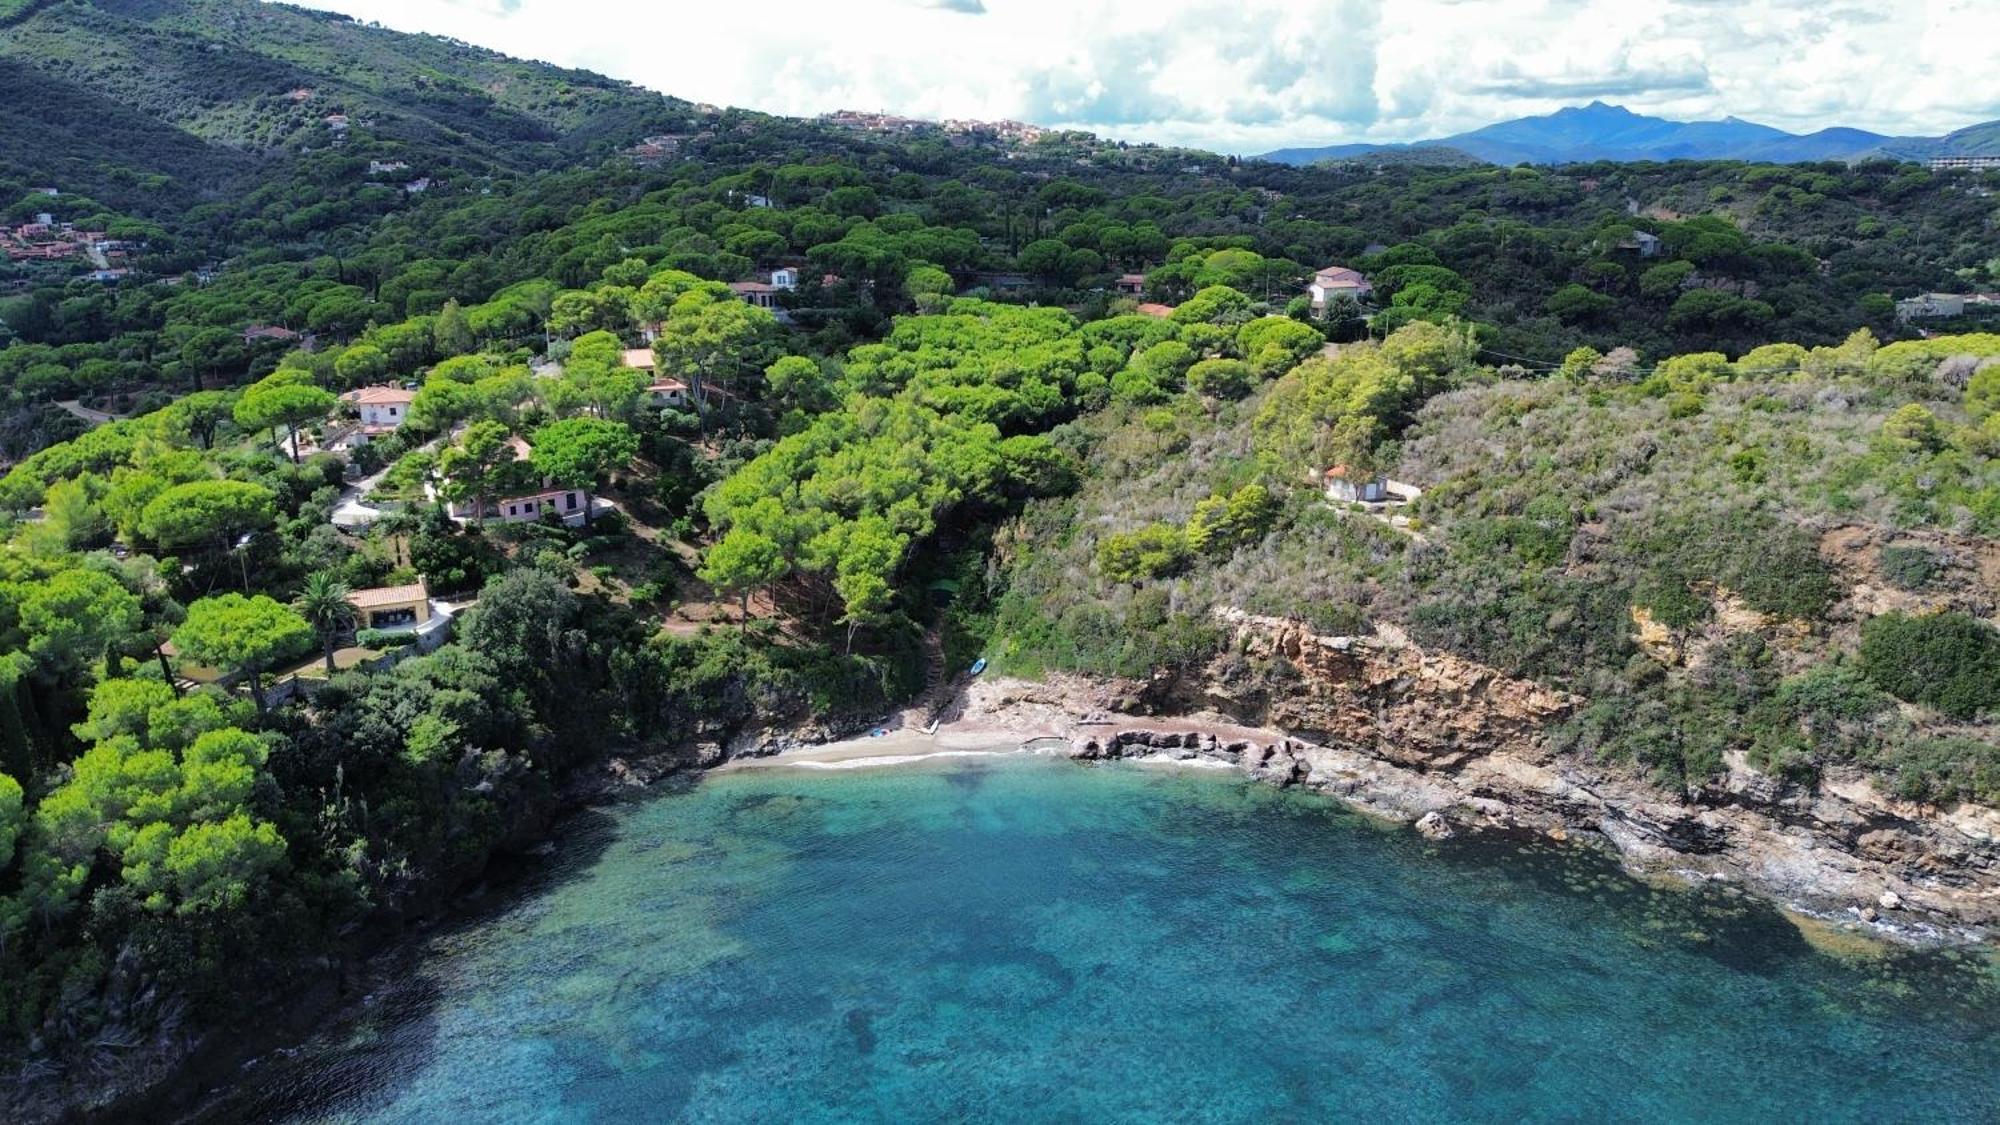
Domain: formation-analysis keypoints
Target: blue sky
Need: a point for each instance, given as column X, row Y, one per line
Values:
column 1250, row 75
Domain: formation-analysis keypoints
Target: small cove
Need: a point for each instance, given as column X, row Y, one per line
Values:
column 1021, row 938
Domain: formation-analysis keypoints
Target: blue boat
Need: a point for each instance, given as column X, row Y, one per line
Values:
column 978, row 666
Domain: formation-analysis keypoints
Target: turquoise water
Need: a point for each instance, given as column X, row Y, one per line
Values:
column 1022, row 939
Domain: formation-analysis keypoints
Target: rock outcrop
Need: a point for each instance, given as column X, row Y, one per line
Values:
column 1450, row 746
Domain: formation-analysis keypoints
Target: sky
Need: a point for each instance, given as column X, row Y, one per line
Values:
column 1247, row 76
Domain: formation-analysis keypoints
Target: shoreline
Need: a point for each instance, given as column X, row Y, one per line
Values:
column 996, row 718
column 1517, row 791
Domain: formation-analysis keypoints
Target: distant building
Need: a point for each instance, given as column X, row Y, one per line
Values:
column 1964, row 163
column 384, row 167
column 258, row 333
column 1335, row 282
column 667, row 392
column 1351, row 486
column 382, row 409
column 1928, row 306
column 1131, row 284
column 419, row 185
column 758, row 293
column 1645, row 242
column 786, row 279
column 641, row 358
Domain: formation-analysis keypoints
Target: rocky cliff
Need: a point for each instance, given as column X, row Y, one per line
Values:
column 1453, row 746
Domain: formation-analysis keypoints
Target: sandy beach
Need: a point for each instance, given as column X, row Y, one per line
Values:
column 995, row 717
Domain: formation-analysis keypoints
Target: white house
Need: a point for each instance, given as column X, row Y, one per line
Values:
column 1335, row 282
column 1929, row 305
column 786, row 279
column 667, row 392
column 567, row 504
column 1645, row 242
column 382, row 408
column 1351, row 486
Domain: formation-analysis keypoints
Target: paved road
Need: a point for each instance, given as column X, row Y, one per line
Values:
column 94, row 417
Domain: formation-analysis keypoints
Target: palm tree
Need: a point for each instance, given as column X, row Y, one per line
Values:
column 323, row 601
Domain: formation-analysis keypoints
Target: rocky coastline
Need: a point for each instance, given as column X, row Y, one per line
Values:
column 1431, row 740
column 1450, row 746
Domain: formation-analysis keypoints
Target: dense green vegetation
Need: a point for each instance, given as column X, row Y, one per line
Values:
column 1558, row 516
column 951, row 436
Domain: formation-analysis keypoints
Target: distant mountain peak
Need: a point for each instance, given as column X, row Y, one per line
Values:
column 1600, row 130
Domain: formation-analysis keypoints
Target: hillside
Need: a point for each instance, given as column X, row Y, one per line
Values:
column 1709, row 554
column 197, row 91
column 1597, row 131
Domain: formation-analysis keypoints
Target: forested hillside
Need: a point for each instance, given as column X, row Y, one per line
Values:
column 760, row 426
column 119, row 99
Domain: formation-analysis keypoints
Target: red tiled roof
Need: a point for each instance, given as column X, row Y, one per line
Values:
column 638, row 357
column 380, row 396
column 387, row 595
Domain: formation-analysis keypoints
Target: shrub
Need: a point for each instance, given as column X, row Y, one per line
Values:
column 1772, row 565
column 1832, row 693
column 1947, row 661
column 383, row 638
column 1908, row 568
column 1221, row 524
column 1945, row 769
column 1154, row 551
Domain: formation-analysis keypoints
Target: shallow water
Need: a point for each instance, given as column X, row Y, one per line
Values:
column 1024, row 939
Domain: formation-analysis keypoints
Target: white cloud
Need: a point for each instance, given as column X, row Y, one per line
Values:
column 1248, row 75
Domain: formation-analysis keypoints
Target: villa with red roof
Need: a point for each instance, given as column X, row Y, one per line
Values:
column 382, row 408
column 570, row 505
column 1335, row 282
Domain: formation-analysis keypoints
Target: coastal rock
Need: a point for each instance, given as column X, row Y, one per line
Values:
column 1433, row 825
column 1384, row 695
column 1380, row 723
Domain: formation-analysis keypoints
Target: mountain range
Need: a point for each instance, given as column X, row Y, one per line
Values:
column 1608, row 132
